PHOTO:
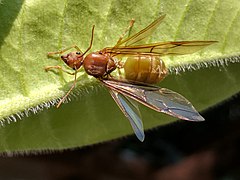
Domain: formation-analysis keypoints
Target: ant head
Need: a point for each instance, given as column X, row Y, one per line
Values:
column 73, row 59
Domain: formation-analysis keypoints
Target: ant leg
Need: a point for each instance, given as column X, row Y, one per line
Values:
column 64, row 50
column 126, row 30
column 120, row 65
column 119, row 73
column 47, row 68
column 64, row 97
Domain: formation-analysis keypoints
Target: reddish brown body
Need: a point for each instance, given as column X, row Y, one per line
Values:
column 73, row 59
column 98, row 65
column 95, row 64
column 148, row 69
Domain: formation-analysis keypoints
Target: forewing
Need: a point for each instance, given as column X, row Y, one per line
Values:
column 172, row 103
column 130, row 110
column 162, row 48
column 141, row 34
column 159, row 99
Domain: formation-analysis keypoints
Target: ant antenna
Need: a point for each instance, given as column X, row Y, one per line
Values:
column 91, row 42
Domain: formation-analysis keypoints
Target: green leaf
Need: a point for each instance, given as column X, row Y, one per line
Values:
column 30, row 29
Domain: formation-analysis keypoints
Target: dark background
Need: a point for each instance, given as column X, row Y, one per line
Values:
column 182, row 150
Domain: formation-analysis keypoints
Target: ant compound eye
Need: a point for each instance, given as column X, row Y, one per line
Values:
column 63, row 57
column 78, row 53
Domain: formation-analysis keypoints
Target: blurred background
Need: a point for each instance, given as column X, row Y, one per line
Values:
column 182, row 150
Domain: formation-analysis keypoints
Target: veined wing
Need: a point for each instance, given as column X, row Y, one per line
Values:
column 159, row 99
column 131, row 112
column 141, row 34
column 161, row 48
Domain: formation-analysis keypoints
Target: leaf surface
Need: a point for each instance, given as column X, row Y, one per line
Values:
column 31, row 28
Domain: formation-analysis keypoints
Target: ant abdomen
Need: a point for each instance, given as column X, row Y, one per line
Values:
column 148, row 69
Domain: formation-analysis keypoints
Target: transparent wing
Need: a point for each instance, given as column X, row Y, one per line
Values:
column 130, row 110
column 141, row 34
column 161, row 48
column 158, row 99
